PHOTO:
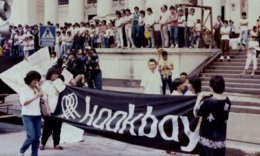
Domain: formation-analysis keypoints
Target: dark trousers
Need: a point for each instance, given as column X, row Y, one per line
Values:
column 51, row 126
column 135, row 36
column 181, row 34
column 97, row 76
column 124, row 37
column 89, row 78
column 225, row 47
column 164, row 83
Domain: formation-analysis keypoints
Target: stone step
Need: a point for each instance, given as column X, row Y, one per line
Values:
column 233, row 60
column 257, row 72
column 236, row 85
column 245, row 104
column 238, row 56
column 252, row 91
column 238, row 76
column 234, row 80
column 232, row 63
column 245, row 109
column 229, row 67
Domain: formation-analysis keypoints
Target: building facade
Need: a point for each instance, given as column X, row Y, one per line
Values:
column 60, row 11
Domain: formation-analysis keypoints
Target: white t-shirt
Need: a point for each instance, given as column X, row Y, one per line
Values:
column 225, row 30
column 198, row 27
column 58, row 39
column 244, row 21
column 189, row 93
column 33, row 109
column 25, row 46
column 141, row 19
column 181, row 19
column 31, row 45
column 82, row 30
column 149, row 19
column 152, row 83
column 69, row 40
column 191, row 21
column 51, row 93
column 63, row 38
column 164, row 17
column 176, row 93
column 127, row 18
column 119, row 22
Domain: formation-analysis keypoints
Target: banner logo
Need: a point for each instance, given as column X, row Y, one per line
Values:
column 69, row 104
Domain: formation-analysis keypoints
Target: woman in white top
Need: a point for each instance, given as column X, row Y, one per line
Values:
column 29, row 97
column 224, row 31
column 31, row 45
column 129, row 28
column 119, row 30
column 51, row 125
column 194, row 86
column 178, row 86
column 26, row 48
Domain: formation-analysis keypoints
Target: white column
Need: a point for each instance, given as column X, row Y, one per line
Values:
column 235, row 14
column 228, row 10
column 253, row 12
column 51, row 11
column 216, row 8
column 133, row 3
column 104, row 7
column 76, row 11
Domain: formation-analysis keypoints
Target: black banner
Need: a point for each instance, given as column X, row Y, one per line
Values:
column 161, row 122
column 5, row 64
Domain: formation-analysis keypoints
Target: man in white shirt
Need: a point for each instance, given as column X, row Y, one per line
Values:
column 119, row 30
column 149, row 25
column 164, row 26
column 224, row 31
column 151, row 82
column 58, row 44
column 191, row 24
column 243, row 31
column 181, row 28
column 63, row 44
column 69, row 40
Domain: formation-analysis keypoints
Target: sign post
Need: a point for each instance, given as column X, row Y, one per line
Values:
column 47, row 36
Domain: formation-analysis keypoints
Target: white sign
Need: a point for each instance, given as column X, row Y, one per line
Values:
column 42, row 60
column 14, row 77
column 67, row 76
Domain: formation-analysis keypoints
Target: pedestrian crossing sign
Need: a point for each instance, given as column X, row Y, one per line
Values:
column 47, row 36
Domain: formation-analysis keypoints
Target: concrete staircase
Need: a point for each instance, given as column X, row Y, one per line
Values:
column 244, row 91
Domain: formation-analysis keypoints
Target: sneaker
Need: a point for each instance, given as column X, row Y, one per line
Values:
column 172, row 46
column 127, row 47
column 191, row 47
column 133, row 47
column 176, row 46
column 228, row 58
column 221, row 58
column 41, row 148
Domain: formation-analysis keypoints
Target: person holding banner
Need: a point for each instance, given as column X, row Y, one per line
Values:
column 31, row 112
column 214, row 110
column 51, row 125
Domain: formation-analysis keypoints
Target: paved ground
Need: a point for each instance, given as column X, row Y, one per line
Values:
column 243, row 133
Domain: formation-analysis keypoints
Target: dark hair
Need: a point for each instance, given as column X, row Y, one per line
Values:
column 119, row 13
column 254, row 27
column 57, row 25
column 53, row 53
column 217, row 83
column 225, row 22
column 196, row 83
column 62, row 78
column 32, row 75
column 192, row 9
column 30, row 37
column 219, row 16
column 243, row 13
column 165, row 7
column 123, row 11
column 52, row 71
column 136, row 8
column 150, row 10
column 128, row 10
column 78, row 63
column 172, row 7
column 183, row 73
column 152, row 60
column 63, row 32
column 177, row 82
column 164, row 53
column 142, row 12
column 93, row 50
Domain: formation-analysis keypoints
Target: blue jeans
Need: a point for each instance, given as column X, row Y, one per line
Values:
column 67, row 48
column 20, row 50
column 243, row 38
column 7, row 54
column 97, row 75
column 32, row 126
column 103, row 42
column 174, row 35
column 63, row 50
column 151, row 42
column 164, row 83
column 136, row 35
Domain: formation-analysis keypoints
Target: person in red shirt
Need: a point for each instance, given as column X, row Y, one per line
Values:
column 6, row 48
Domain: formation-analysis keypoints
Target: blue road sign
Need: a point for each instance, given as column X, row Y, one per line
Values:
column 47, row 36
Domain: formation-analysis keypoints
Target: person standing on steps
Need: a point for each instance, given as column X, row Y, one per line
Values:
column 243, row 31
column 252, row 53
column 164, row 26
column 225, row 31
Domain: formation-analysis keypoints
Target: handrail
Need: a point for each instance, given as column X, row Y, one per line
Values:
column 204, row 64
